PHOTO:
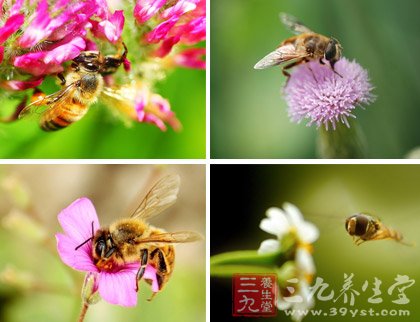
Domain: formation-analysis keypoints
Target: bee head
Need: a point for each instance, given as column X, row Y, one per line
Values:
column 89, row 61
column 103, row 245
column 333, row 51
column 357, row 224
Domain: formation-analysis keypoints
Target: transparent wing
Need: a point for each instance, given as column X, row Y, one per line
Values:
column 161, row 196
column 50, row 101
column 175, row 237
column 280, row 55
column 293, row 24
column 119, row 98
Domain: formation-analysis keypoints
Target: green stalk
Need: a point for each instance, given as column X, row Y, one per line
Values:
column 342, row 143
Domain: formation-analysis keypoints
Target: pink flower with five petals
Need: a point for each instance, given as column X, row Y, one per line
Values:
column 116, row 286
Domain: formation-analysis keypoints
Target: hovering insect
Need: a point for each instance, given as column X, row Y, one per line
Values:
column 134, row 240
column 365, row 228
column 304, row 47
column 82, row 87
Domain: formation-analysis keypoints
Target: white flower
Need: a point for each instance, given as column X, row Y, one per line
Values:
column 299, row 303
column 281, row 222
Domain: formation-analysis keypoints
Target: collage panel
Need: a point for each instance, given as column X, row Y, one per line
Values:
column 314, row 242
column 74, row 240
column 314, row 79
column 103, row 79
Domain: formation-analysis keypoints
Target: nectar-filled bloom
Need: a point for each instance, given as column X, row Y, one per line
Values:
column 116, row 286
column 314, row 92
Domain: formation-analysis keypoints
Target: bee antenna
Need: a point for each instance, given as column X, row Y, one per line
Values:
column 89, row 239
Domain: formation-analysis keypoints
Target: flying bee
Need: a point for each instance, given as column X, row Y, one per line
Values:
column 304, row 47
column 135, row 240
column 81, row 88
column 365, row 228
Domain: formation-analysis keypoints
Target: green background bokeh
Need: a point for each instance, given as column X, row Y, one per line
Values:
column 248, row 114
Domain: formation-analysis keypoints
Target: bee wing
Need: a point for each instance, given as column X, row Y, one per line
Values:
column 161, row 196
column 280, row 55
column 175, row 237
column 293, row 24
column 51, row 101
column 118, row 97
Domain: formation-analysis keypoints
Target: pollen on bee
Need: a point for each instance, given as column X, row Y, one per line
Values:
column 106, row 265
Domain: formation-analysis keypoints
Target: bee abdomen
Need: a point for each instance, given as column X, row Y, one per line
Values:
column 60, row 118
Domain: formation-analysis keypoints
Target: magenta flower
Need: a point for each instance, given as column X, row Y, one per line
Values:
column 316, row 93
column 146, row 9
column 191, row 58
column 110, row 28
column 116, row 286
column 182, row 21
column 52, row 34
column 11, row 25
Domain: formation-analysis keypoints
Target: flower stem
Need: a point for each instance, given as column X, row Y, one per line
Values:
column 244, row 261
column 83, row 312
column 342, row 143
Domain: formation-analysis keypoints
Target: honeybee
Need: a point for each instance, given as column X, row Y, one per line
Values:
column 304, row 47
column 82, row 87
column 134, row 240
column 365, row 228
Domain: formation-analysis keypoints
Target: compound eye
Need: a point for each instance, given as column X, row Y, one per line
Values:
column 100, row 248
column 331, row 50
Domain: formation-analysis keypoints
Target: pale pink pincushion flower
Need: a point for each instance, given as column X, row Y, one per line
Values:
column 316, row 93
column 116, row 286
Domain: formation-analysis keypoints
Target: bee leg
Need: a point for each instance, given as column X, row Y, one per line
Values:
column 321, row 61
column 359, row 241
column 287, row 74
column 332, row 63
column 144, row 256
column 152, row 296
column 62, row 79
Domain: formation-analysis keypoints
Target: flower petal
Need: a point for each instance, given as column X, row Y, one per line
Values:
column 276, row 223
column 11, row 26
column 150, row 274
column 307, row 232
column 293, row 214
column 76, row 220
column 145, row 9
column 304, row 261
column 80, row 259
column 37, row 29
column 65, row 52
column 269, row 246
column 119, row 287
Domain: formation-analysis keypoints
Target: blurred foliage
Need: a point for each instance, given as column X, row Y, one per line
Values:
column 101, row 135
column 248, row 114
column 35, row 285
column 326, row 195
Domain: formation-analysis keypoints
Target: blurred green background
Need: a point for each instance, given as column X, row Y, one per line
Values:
column 100, row 135
column 248, row 114
column 35, row 285
column 326, row 195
